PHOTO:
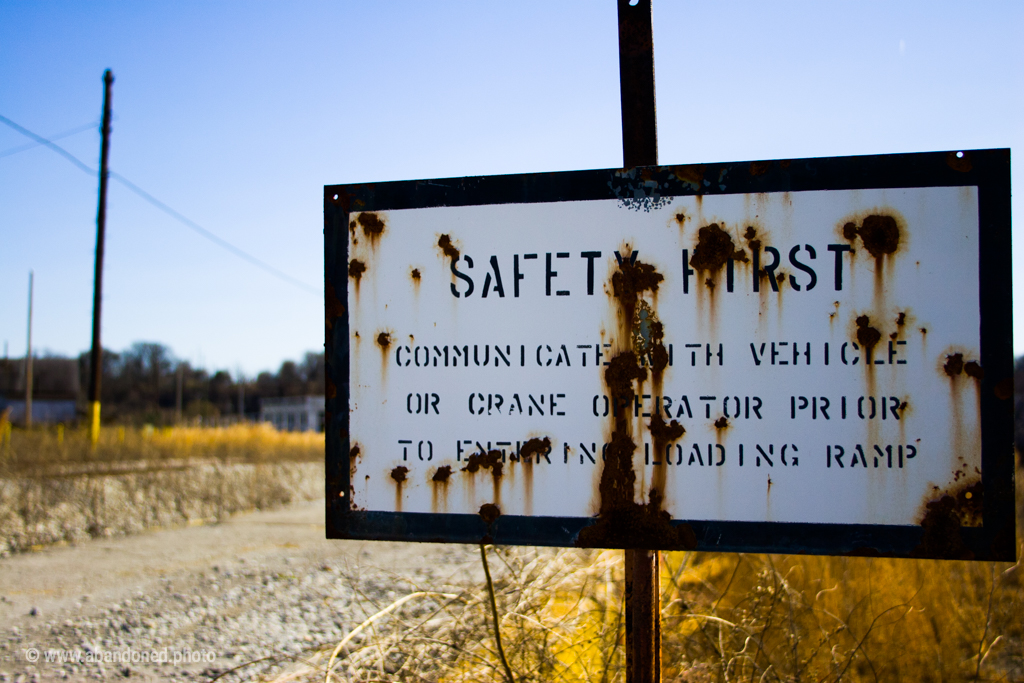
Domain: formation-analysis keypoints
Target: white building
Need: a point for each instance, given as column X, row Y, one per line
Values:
column 294, row 413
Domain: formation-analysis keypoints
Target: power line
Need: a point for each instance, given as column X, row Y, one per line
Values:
column 209, row 235
column 58, row 136
column 187, row 222
column 43, row 141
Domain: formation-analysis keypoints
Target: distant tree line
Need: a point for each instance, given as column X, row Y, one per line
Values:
column 140, row 385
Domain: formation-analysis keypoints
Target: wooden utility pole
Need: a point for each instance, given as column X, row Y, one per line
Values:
column 96, row 357
column 640, row 148
column 28, row 359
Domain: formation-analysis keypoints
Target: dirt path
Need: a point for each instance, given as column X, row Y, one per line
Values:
column 259, row 583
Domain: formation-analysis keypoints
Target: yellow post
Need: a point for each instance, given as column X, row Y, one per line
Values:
column 5, row 430
column 60, row 434
column 94, row 423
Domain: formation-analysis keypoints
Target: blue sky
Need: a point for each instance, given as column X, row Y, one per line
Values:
column 236, row 114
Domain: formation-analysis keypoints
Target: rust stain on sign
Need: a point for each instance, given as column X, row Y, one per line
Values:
column 447, row 247
column 902, row 318
column 945, row 512
column 714, row 249
column 489, row 460
column 662, row 437
column 880, row 234
column 973, row 369
column 658, row 354
column 356, row 268
column 533, row 448
column 867, row 336
column 489, row 512
column 954, row 364
column 439, row 483
column 399, row 474
column 622, row 370
column 354, row 455
column 383, row 342
column 750, row 235
column 373, row 225
column 621, row 521
column 416, row 277
column 630, row 281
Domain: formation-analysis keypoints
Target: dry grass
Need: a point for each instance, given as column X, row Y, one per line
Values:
column 559, row 611
column 725, row 618
column 770, row 618
column 56, row 450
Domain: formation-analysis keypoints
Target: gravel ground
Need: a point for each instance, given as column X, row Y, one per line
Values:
column 213, row 598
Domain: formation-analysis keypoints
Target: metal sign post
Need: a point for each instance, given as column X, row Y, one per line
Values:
column 640, row 148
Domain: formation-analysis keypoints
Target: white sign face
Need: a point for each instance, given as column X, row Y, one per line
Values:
column 827, row 372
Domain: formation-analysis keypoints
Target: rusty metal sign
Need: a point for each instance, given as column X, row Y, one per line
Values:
column 791, row 356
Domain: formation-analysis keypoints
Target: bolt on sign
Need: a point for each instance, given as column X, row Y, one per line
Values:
column 812, row 355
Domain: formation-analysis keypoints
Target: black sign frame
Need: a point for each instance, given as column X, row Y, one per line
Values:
column 988, row 170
